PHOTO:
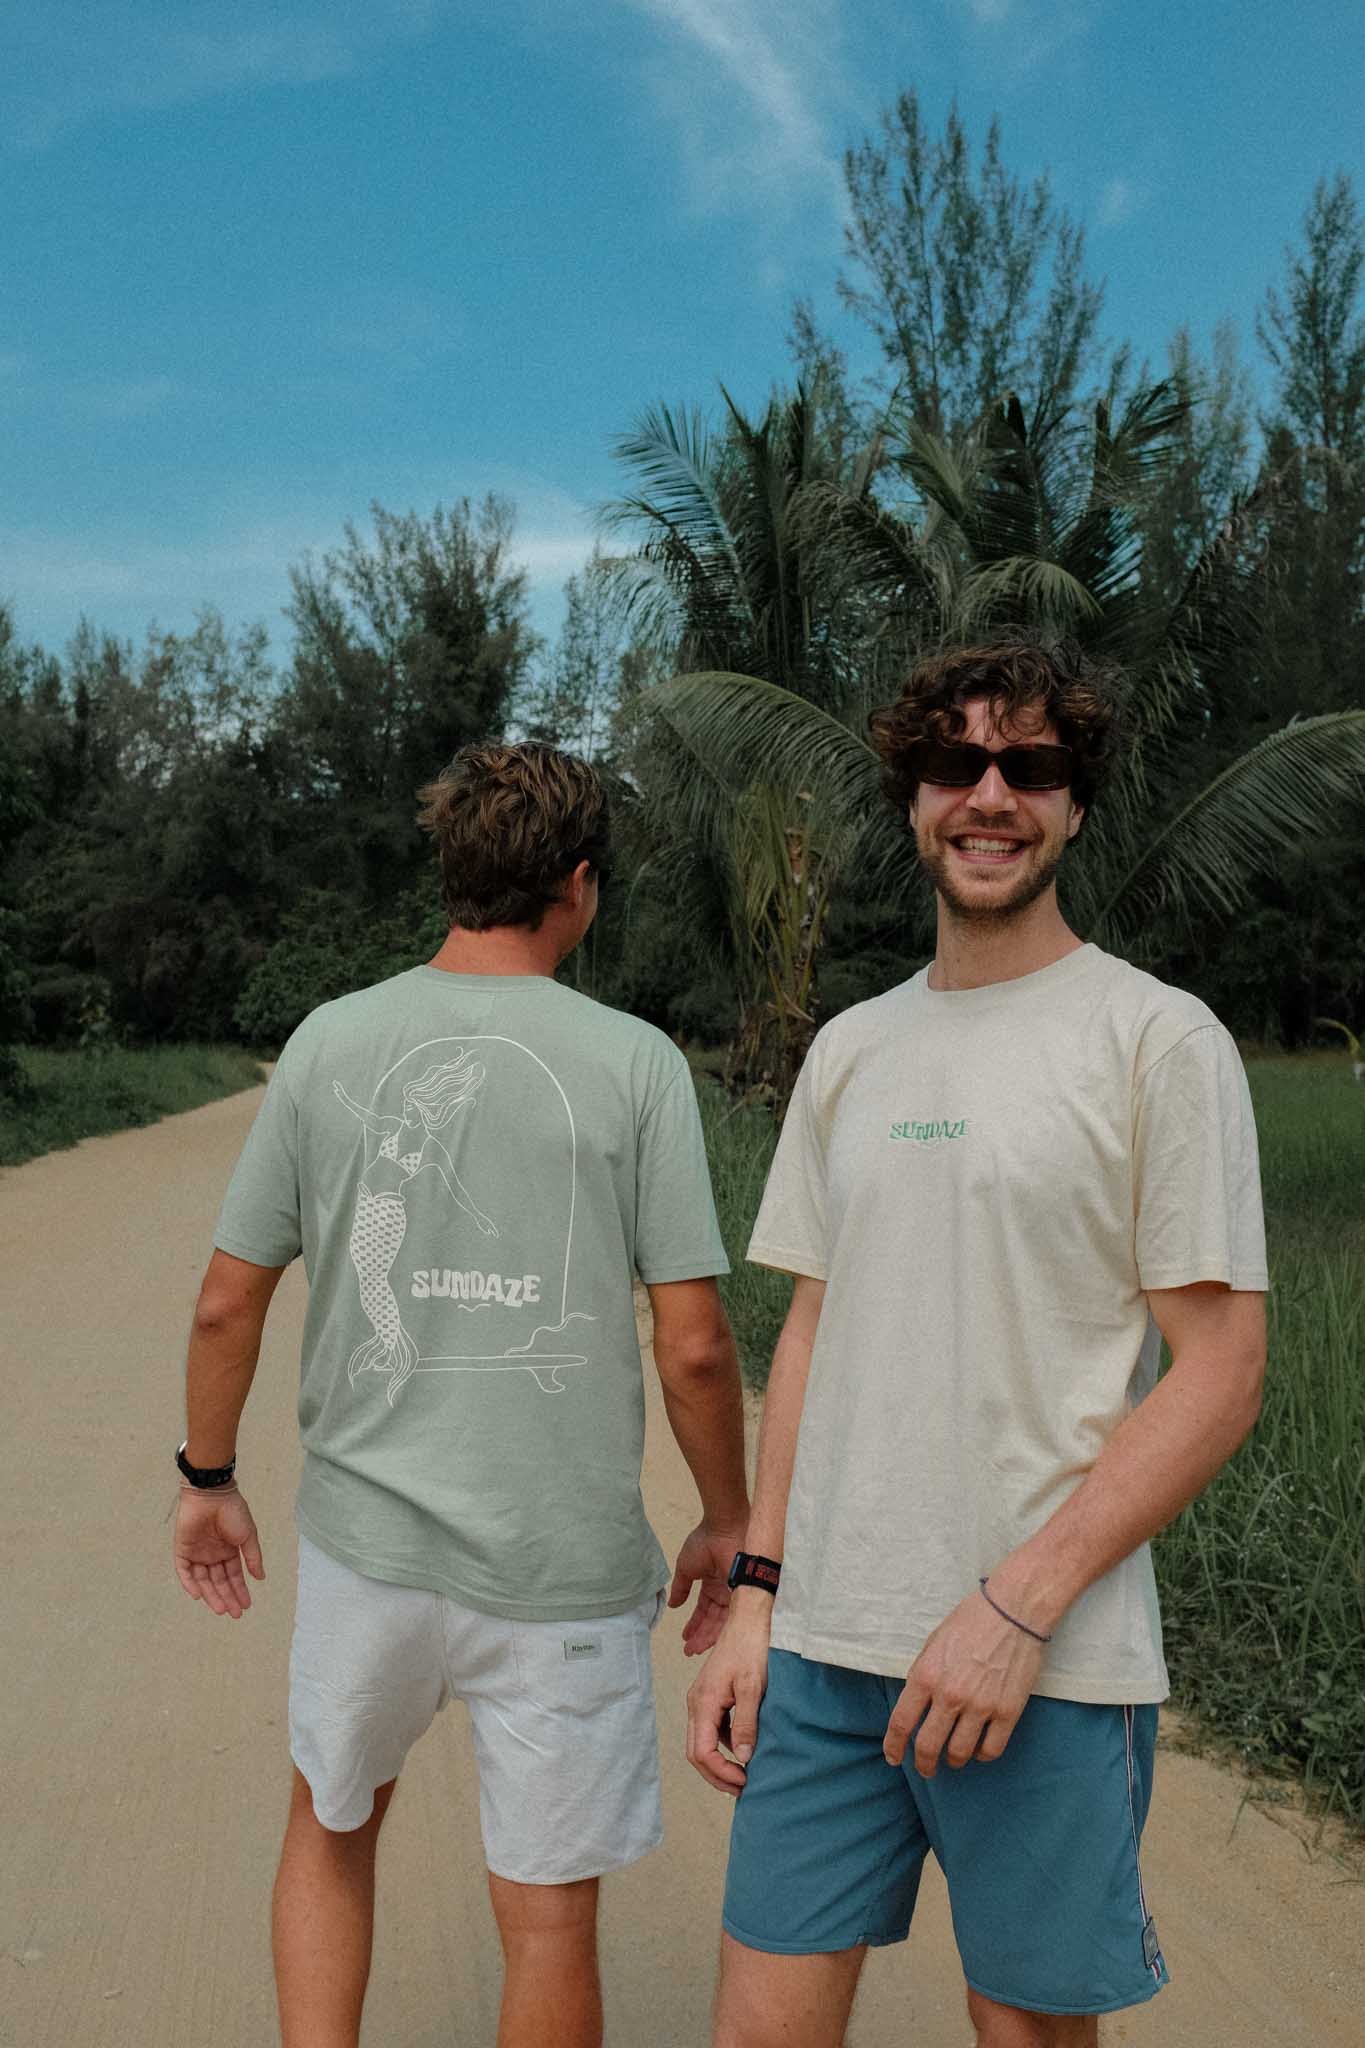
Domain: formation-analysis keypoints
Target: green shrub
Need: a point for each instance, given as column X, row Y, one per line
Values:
column 325, row 950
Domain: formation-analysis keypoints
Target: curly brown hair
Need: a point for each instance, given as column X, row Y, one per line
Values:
column 511, row 823
column 1027, row 673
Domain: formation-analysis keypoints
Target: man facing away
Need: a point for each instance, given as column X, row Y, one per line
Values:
column 472, row 1159
column 997, row 1187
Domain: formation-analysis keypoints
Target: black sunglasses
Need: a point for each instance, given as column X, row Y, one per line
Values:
column 961, row 765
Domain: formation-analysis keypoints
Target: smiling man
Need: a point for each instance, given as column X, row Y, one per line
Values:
column 997, row 1188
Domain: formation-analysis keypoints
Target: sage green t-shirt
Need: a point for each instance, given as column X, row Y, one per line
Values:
column 990, row 1181
column 473, row 1168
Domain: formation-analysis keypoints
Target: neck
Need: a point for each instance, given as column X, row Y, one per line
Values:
column 974, row 951
column 506, row 949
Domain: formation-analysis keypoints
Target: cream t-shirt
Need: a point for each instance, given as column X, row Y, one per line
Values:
column 988, row 1180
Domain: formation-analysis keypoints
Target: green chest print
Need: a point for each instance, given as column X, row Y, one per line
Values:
column 929, row 1131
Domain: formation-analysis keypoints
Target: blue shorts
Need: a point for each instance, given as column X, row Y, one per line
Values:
column 1039, row 1849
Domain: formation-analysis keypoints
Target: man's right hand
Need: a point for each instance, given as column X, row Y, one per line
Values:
column 722, row 1706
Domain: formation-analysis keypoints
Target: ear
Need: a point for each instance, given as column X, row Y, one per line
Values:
column 578, row 882
column 1074, row 822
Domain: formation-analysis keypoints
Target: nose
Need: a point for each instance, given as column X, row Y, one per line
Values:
column 992, row 793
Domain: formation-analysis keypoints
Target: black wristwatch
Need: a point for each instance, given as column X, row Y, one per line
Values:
column 205, row 1477
column 748, row 1570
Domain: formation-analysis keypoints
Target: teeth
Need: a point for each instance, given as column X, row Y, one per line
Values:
column 988, row 845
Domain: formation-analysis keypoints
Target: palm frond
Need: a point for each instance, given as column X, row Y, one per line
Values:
column 673, row 454
column 739, row 732
column 943, row 475
column 1291, row 786
column 857, row 542
column 1028, row 583
column 1214, row 619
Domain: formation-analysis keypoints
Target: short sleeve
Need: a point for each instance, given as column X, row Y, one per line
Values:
column 677, row 1236
column 791, row 1228
column 1197, row 1175
column 260, row 1217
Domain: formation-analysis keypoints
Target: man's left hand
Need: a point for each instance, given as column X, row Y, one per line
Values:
column 965, row 1690
column 214, row 1536
column 706, row 1555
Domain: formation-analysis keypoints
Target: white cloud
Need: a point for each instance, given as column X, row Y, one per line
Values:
column 240, row 565
column 125, row 398
column 124, row 57
column 23, row 386
column 750, row 104
column 1026, row 35
column 1118, row 203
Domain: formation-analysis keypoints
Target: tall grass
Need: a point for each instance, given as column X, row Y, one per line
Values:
column 1263, row 1578
column 740, row 1141
column 86, row 1093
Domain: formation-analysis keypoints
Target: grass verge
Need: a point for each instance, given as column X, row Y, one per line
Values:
column 84, row 1094
column 1263, row 1577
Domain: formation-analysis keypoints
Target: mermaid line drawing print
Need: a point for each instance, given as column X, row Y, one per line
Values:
column 397, row 1149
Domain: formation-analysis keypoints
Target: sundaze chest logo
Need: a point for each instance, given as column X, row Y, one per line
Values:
column 439, row 1283
column 929, row 1131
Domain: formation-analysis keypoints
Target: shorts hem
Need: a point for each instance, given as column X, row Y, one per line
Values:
column 1142, row 1997
column 579, row 1874
column 333, row 1827
column 812, row 1948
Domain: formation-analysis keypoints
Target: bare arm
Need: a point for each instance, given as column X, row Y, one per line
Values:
column 694, row 1352
column 1160, row 1458
column 214, row 1531
column 723, row 1704
column 976, row 1672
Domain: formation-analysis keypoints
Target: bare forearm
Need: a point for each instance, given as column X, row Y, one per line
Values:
column 705, row 1409
column 225, row 1342
column 782, row 1407
column 218, row 1375
column 1159, row 1460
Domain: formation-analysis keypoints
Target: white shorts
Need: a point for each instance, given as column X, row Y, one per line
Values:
column 562, row 1713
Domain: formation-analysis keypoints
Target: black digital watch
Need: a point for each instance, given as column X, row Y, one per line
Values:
column 748, row 1570
column 204, row 1477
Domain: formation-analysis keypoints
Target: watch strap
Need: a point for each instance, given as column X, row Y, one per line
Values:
column 205, row 1477
column 749, row 1570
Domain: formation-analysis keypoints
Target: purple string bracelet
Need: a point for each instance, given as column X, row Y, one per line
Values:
column 1022, row 1625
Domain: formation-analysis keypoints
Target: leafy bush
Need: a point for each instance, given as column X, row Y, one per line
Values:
column 325, row 951
column 58, row 997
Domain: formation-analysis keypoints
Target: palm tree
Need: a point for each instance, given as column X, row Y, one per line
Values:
column 1010, row 527
column 726, row 575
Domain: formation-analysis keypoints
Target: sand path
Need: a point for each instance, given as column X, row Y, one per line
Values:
column 144, row 1747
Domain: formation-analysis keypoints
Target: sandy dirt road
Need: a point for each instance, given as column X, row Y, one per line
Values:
column 144, row 1744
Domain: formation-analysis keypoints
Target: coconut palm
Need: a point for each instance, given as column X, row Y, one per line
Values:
column 725, row 574
column 1009, row 528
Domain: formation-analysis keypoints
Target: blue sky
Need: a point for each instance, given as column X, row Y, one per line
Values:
column 264, row 264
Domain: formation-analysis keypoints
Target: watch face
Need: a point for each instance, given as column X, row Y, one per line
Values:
column 748, row 1570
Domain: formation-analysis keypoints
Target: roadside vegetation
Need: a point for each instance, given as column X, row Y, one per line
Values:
column 86, row 1092
column 1263, row 1578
